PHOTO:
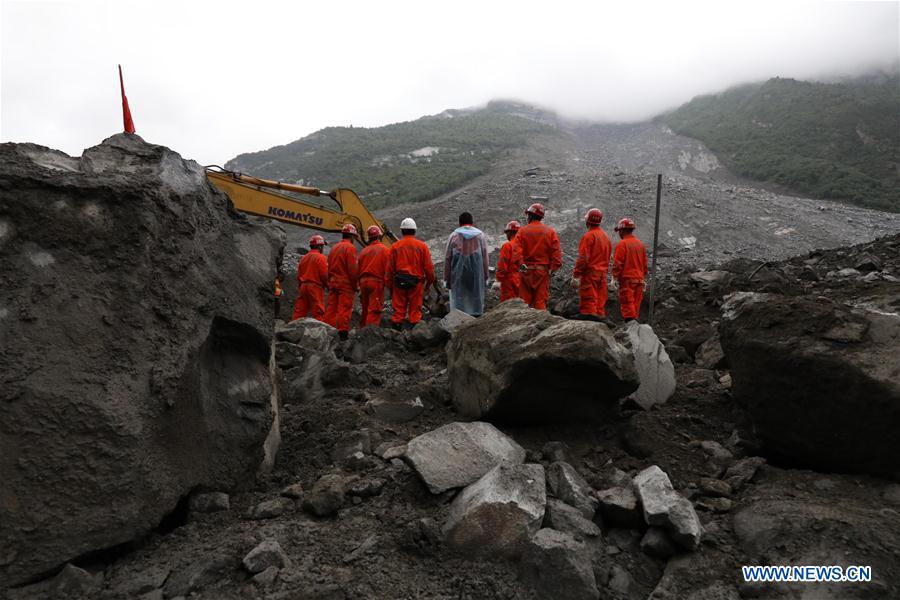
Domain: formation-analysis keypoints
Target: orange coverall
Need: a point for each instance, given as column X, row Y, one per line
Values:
column 630, row 270
column 540, row 255
column 312, row 277
column 341, row 285
column 590, row 269
column 508, row 266
column 411, row 256
column 373, row 266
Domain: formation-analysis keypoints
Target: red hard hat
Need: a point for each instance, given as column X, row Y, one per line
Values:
column 349, row 228
column 625, row 223
column 317, row 240
column 512, row 226
column 594, row 216
column 373, row 232
column 536, row 210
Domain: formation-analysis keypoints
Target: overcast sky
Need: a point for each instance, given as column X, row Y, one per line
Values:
column 214, row 79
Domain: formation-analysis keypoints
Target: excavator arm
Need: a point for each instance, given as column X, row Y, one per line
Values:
column 264, row 198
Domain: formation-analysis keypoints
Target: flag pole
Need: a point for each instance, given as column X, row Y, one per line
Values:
column 655, row 247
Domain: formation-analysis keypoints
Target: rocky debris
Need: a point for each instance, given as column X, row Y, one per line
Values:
column 555, row 565
column 555, row 451
column 568, row 485
column 294, row 491
column 326, row 496
column 266, row 577
column 620, row 580
column 395, row 411
column 351, row 444
column 267, row 509
column 520, row 365
column 710, row 280
column 743, row 471
column 714, row 487
column 657, row 544
column 308, row 333
column 366, row 488
column 697, row 576
column 619, row 506
column 265, row 555
column 454, row 319
column 710, row 354
column 140, row 325
column 719, row 505
column 655, row 370
column 457, row 454
column 664, row 507
column 366, row 546
column 891, row 494
column 70, row 582
column 209, row 502
column 420, row 536
column 427, row 334
column 716, row 451
column 390, row 450
column 833, row 406
column 498, row 514
column 568, row 519
column 195, row 576
column 312, row 366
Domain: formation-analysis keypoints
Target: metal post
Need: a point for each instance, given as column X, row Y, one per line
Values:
column 655, row 244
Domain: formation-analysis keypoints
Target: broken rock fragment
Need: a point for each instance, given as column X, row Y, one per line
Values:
column 555, row 565
column 457, row 454
column 568, row 485
column 499, row 513
column 267, row 554
column 655, row 369
column 664, row 507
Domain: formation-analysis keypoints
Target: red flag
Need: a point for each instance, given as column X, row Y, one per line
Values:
column 126, row 112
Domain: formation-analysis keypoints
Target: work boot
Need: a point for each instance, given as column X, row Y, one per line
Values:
column 344, row 335
column 396, row 326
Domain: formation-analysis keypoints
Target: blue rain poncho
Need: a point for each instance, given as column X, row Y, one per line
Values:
column 466, row 269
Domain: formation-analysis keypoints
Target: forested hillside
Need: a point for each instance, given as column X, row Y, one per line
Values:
column 402, row 162
column 825, row 140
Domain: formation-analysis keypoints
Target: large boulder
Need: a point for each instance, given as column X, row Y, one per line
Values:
column 499, row 513
column 135, row 342
column 522, row 365
column 457, row 454
column 821, row 381
column 655, row 369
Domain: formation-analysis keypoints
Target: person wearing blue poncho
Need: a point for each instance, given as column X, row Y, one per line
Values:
column 466, row 267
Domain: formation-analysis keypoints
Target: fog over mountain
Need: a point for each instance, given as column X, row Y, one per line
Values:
column 217, row 79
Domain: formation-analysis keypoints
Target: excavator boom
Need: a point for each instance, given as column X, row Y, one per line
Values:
column 262, row 197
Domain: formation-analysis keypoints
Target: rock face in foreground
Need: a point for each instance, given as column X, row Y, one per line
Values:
column 135, row 344
column 521, row 365
column 821, row 381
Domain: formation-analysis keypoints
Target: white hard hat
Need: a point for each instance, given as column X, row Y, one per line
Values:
column 408, row 223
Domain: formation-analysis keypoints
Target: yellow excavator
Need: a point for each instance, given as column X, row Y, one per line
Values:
column 266, row 198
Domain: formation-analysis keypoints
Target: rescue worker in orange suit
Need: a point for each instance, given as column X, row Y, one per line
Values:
column 342, row 282
column 592, row 266
column 312, row 278
column 372, row 263
column 541, row 258
column 509, row 263
column 629, row 270
column 279, row 293
column 410, row 274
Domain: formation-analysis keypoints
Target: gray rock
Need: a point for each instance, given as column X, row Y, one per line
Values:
column 309, row 333
column 395, row 411
column 716, row 450
column 619, row 506
column 568, row 485
column 151, row 383
column 390, row 450
column 710, row 354
column 366, row 488
column 326, row 496
column 195, row 576
column 710, row 280
column 619, row 580
column 714, row 487
column 457, row 454
column 295, row 491
column 782, row 365
column 265, row 555
column 209, row 502
column 266, row 577
column 511, row 366
column 555, row 565
column 267, row 509
column 718, row 505
column 655, row 370
column 499, row 513
column 664, row 507
column 454, row 319
column 657, row 544
column 568, row 519
column 738, row 474
column 555, row 451
column 427, row 334
column 350, row 444
column 368, row 544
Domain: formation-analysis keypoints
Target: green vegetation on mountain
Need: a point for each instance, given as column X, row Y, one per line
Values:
column 826, row 140
column 404, row 162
